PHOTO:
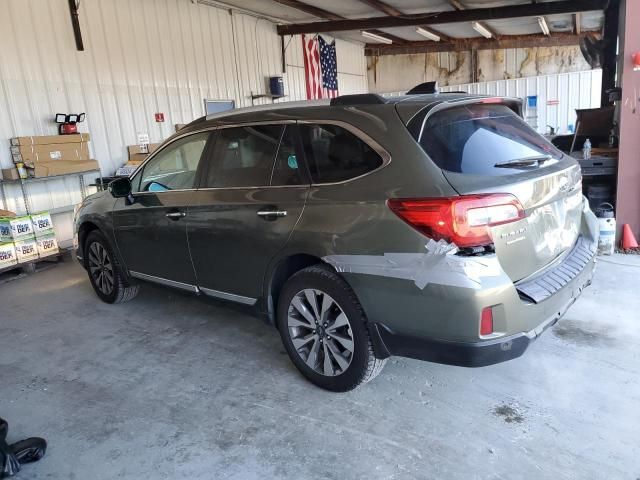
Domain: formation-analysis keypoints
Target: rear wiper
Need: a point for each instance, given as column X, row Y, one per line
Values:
column 524, row 162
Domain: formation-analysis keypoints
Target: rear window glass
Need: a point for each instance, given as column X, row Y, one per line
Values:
column 475, row 138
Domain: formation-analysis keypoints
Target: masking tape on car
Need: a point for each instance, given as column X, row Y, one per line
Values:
column 438, row 265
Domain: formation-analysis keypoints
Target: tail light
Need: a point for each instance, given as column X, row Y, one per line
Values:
column 486, row 321
column 463, row 220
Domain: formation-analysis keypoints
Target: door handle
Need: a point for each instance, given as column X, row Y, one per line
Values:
column 176, row 215
column 272, row 213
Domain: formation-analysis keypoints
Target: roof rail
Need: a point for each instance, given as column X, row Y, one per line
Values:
column 358, row 99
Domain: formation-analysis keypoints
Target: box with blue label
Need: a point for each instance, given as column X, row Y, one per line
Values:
column 15, row 228
column 7, row 255
column 47, row 245
column 42, row 224
column 26, row 249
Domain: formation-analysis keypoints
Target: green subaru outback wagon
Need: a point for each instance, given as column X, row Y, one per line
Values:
column 439, row 227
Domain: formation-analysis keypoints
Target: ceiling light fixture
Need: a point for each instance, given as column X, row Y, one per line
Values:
column 543, row 25
column 428, row 34
column 377, row 38
column 481, row 29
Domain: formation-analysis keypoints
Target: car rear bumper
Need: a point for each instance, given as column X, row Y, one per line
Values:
column 388, row 341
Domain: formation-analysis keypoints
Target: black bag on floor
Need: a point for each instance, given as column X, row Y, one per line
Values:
column 13, row 456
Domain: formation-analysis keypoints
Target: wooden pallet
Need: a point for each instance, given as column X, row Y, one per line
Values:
column 20, row 270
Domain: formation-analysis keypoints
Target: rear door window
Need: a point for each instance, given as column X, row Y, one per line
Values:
column 481, row 138
column 243, row 156
column 334, row 154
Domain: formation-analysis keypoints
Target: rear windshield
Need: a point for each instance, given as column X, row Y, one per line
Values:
column 474, row 138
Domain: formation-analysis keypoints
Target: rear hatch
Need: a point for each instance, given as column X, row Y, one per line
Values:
column 483, row 146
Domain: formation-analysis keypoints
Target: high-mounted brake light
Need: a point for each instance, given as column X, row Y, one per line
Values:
column 463, row 220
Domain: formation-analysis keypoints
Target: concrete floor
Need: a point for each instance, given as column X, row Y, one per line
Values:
column 170, row 386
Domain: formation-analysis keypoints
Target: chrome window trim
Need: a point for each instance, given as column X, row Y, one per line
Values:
column 164, row 281
column 386, row 156
column 229, row 296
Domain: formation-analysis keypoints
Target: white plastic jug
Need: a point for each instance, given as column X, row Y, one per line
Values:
column 607, row 227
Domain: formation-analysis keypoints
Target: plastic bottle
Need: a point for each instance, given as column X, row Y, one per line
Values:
column 586, row 150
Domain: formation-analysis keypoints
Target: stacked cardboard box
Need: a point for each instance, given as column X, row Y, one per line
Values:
column 25, row 238
column 137, row 155
column 49, row 155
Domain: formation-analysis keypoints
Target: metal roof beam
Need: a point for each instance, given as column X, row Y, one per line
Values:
column 322, row 13
column 459, row 6
column 455, row 16
column 394, row 12
column 466, row 44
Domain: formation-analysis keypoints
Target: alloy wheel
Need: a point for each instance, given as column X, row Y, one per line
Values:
column 320, row 332
column 101, row 268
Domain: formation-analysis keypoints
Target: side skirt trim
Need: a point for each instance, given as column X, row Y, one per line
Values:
column 164, row 281
column 229, row 296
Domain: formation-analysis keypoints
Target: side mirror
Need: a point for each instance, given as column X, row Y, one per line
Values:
column 120, row 187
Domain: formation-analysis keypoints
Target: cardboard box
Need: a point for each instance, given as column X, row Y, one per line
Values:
column 61, row 167
column 26, row 249
column 10, row 174
column 15, row 228
column 47, row 139
column 47, row 245
column 7, row 213
column 7, row 255
column 42, row 224
column 53, row 151
column 137, row 153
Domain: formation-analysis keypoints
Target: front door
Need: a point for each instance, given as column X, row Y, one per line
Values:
column 151, row 231
column 251, row 197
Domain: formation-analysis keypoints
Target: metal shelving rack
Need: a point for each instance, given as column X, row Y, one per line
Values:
column 24, row 183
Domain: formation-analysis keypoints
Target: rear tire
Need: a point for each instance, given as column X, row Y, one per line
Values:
column 105, row 274
column 324, row 331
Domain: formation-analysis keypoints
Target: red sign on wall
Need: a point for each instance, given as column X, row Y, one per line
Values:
column 159, row 117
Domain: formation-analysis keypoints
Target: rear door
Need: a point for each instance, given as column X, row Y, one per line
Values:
column 252, row 195
column 151, row 231
column 486, row 147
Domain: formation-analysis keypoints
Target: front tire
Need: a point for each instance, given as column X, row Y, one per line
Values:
column 324, row 331
column 104, row 271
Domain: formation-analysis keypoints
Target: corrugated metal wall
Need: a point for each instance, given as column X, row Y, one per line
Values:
column 352, row 67
column 571, row 91
column 141, row 57
column 454, row 68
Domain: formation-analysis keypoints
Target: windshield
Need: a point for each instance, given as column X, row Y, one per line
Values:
column 481, row 138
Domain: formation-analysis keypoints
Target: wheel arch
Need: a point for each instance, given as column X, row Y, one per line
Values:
column 84, row 230
column 88, row 226
column 284, row 269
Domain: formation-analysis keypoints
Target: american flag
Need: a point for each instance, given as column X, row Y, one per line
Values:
column 320, row 67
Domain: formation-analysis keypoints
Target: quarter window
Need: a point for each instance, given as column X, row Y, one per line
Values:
column 174, row 167
column 334, row 154
column 243, row 156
